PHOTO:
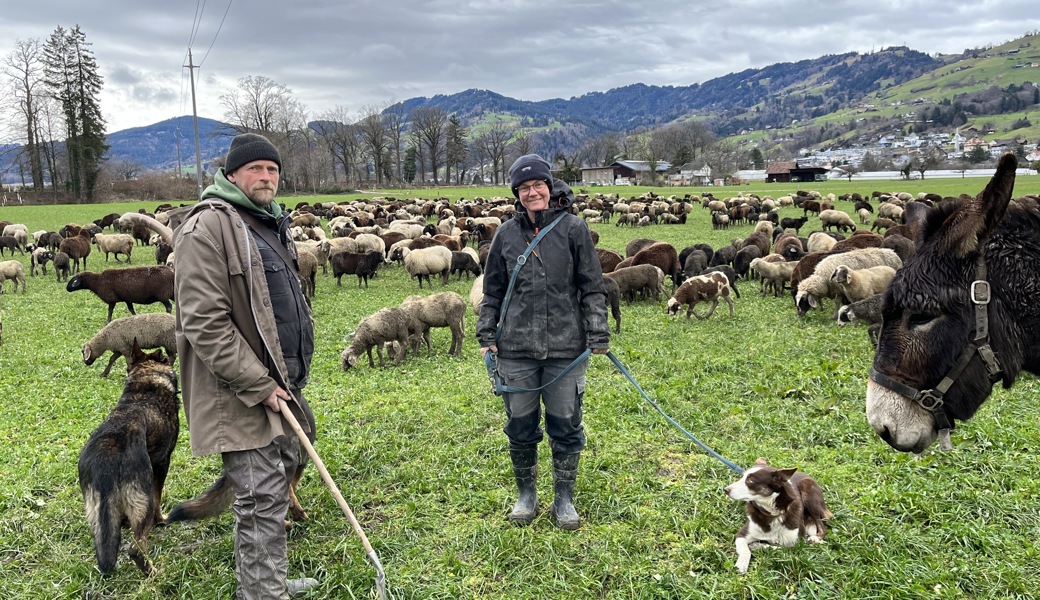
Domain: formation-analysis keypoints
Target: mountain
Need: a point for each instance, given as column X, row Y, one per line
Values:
column 156, row 146
column 833, row 100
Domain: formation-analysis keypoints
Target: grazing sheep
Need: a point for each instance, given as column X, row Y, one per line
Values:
column 9, row 242
column 701, row 288
column 635, row 245
column 868, row 310
column 464, row 262
column 613, row 301
column 694, row 263
column 838, row 219
column 385, row 325
column 728, row 272
column 364, row 265
column 153, row 330
column 774, row 274
column 608, row 259
column 820, row 242
column 858, row 284
column 367, row 242
column 858, row 240
column 882, row 223
column 903, row 246
column 821, row 285
column 61, row 266
column 316, row 249
column 742, row 261
column 793, row 223
column 428, row 261
column 663, row 256
column 132, row 285
column 39, row 258
column 116, row 244
column 646, row 279
column 336, row 245
column 864, row 216
column 443, row 309
column 723, row 256
column 14, row 271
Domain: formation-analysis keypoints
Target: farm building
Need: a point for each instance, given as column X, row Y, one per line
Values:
column 789, row 171
column 622, row 172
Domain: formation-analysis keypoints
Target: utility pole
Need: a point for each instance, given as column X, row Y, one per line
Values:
column 195, row 122
column 177, row 137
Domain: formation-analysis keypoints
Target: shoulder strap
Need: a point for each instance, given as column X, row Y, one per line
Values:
column 520, row 262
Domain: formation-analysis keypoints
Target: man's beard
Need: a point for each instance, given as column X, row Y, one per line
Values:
column 262, row 197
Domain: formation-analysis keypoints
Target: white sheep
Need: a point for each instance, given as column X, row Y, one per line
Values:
column 820, row 284
column 391, row 325
column 428, row 261
column 367, row 242
column 864, row 216
column 476, row 293
column 115, row 243
column 152, row 330
column 774, row 274
column 338, row 244
column 820, row 242
column 444, row 309
column 13, row 270
column 859, row 284
column 318, row 250
column 838, row 219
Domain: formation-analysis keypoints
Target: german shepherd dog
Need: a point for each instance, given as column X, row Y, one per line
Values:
column 123, row 466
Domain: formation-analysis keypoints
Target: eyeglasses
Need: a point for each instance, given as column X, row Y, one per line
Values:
column 534, row 186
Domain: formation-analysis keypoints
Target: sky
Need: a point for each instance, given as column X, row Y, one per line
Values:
column 362, row 54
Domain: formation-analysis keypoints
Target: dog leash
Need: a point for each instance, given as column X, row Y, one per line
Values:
column 705, row 447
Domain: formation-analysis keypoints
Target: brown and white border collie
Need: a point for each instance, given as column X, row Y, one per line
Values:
column 782, row 505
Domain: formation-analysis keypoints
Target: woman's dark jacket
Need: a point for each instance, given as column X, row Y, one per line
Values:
column 559, row 307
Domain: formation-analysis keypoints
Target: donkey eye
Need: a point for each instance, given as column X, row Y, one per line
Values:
column 919, row 320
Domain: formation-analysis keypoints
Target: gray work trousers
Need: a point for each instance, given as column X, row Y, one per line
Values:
column 562, row 400
column 260, row 479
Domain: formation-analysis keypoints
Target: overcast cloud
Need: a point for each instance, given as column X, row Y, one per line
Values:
column 361, row 53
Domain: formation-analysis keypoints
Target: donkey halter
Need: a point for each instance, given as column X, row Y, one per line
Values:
column 932, row 399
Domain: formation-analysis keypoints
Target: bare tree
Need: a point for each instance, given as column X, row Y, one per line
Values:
column 24, row 66
column 376, row 136
column 521, row 142
column 493, row 142
column 723, row 157
column 255, row 104
column 429, row 123
column 125, row 169
column 339, row 135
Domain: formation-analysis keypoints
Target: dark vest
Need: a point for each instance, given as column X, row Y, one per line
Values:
column 291, row 313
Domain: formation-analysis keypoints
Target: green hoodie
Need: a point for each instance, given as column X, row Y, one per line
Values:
column 229, row 192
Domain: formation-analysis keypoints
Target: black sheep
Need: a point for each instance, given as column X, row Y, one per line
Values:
column 463, row 262
column 364, row 265
column 9, row 242
column 133, row 285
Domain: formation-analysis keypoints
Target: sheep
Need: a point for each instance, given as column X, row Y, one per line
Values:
column 428, row 261
column 14, row 271
column 307, row 265
column 774, row 274
column 443, row 309
column 868, row 310
column 859, row 284
column 820, row 242
column 115, row 243
column 367, row 242
column 336, row 245
column 364, row 265
column 864, row 216
column 662, row 255
column 857, row 241
column 61, row 266
column 838, row 219
column 9, row 242
column 132, row 285
column 820, row 285
column 464, row 262
column 793, row 223
column 38, row 258
column 476, row 293
column 316, row 249
column 78, row 249
column 640, row 278
column 903, row 246
column 608, row 259
column 152, row 330
column 701, row 288
column 723, row 256
column 728, row 272
column 613, row 301
column 695, row 263
column 882, row 223
column 385, row 325
column 635, row 245
column 742, row 261
column 789, row 246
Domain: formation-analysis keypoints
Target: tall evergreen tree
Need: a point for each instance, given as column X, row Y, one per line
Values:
column 71, row 73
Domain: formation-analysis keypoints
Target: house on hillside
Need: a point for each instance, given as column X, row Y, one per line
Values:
column 975, row 142
column 597, row 176
column 790, row 171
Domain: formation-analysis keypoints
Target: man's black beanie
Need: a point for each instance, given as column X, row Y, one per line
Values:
column 527, row 168
column 247, row 147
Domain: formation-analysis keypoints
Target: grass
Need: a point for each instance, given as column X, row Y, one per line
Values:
column 419, row 454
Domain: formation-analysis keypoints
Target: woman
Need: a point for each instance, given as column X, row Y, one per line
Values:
column 556, row 312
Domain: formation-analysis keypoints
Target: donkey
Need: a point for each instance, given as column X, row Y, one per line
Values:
column 959, row 316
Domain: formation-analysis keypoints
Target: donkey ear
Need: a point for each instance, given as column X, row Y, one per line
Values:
column 969, row 227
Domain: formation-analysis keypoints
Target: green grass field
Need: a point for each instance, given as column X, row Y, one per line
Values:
column 419, row 454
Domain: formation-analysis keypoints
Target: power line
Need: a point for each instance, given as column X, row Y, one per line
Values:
column 200, row 7
column 219, row 27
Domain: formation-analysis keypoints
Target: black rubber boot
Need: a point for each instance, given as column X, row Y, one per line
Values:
column 565, row 473
column 525, row 469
